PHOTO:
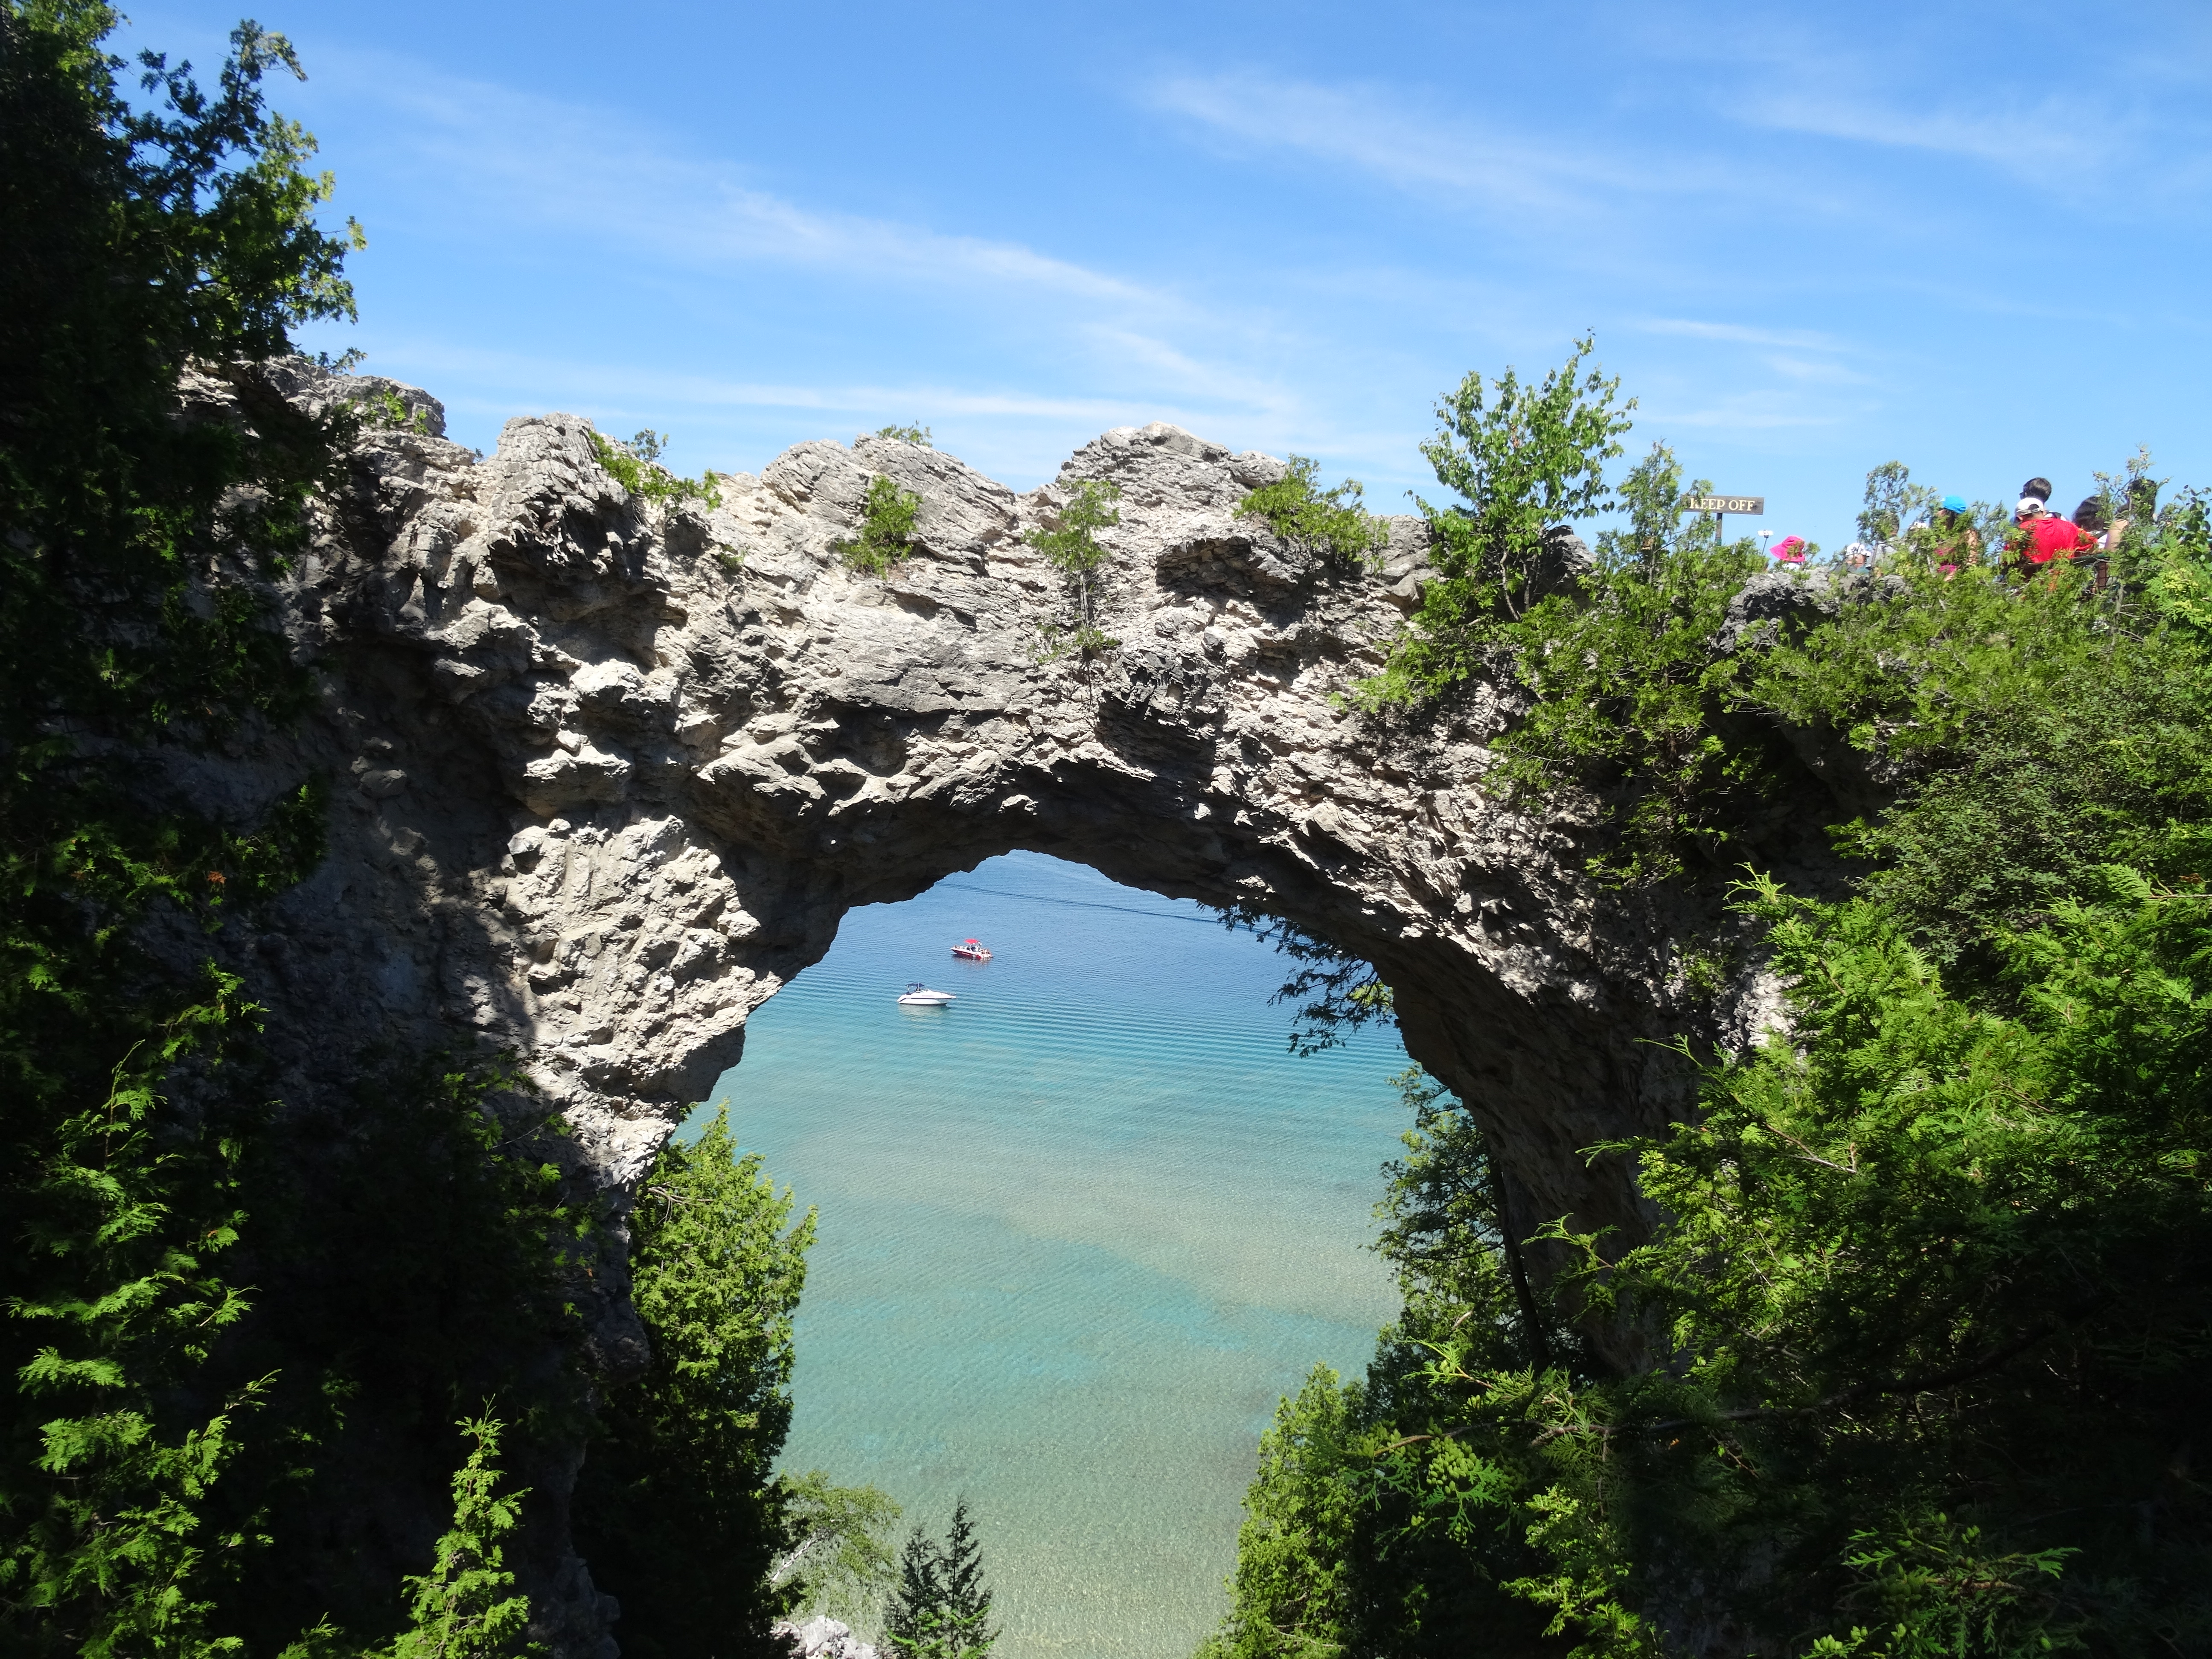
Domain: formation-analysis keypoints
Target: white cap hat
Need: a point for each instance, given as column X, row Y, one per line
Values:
column 2031, row 504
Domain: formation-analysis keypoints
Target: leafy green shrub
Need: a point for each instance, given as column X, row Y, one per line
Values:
column 1329, row 524
column 888, row 518
column 676, row 1509
column 1628, row 688
column 1073, row 548
column 635, row 465
column 909, row 434
column 388, row 411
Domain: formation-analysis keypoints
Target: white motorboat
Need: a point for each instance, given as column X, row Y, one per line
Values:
column 919, row 995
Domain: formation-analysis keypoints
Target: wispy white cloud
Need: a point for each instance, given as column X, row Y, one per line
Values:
column 2068, row 129
column 1587, row 188
column 1740, row 334
column 1815, row 371
column 1746, row 412
column 1386, row 131
column 1215, row 381
column 597, row 385
column 2037, row 138
column 536, row 166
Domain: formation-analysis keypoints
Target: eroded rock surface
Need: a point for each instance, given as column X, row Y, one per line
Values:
column 612, row 772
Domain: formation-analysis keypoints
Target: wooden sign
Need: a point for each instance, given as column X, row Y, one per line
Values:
column 1751, row 507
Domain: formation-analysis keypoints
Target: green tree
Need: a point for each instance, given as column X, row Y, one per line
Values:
column 1334, row 994
column 1295, row 1592
column 677, row 1510
column 135, row 241
column 1073, row 548
column 464, row 1607
column 942, row 1607
column 1894, row 506
column 1523, row 460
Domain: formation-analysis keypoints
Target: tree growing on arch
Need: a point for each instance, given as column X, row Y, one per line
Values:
column 1075, row 550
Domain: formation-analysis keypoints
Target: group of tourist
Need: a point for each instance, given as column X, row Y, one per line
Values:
column 1949, row 539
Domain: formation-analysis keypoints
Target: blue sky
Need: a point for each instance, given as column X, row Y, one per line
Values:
column 1810, row 238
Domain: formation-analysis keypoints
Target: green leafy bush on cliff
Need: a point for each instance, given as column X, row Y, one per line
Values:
column 635, row 465
column 1329, row 524
column 888, row 517
column 1523, row 458
column 1926, row 1315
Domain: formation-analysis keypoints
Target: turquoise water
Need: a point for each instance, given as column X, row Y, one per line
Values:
column 1078, row 1232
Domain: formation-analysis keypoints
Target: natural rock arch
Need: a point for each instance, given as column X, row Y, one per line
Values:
column 616, row 770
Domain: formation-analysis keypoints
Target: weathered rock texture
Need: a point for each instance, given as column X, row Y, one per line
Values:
column 612, row 772
column 824, row 1638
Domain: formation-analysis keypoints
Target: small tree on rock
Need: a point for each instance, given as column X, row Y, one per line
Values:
column 1074, row 550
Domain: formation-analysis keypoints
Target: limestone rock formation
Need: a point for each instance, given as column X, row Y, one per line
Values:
column 613, row 769
column 824, row 1638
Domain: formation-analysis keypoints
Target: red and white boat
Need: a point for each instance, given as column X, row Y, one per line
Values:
column 971, row 951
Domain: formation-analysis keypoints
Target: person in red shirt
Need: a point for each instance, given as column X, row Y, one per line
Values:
column 2042, row 536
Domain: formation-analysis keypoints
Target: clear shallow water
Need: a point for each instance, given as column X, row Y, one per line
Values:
column 1078, row 1232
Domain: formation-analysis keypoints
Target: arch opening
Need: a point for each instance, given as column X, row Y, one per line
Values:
column 1078, row 1231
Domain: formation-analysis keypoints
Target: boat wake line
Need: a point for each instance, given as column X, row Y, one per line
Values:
column 1087, row 905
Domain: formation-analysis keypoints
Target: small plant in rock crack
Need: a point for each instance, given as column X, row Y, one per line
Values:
column 907, row 434
column 635, row 465
column 1074, row 550
column 1329, row 524
column 387, row 411
column 887, row 522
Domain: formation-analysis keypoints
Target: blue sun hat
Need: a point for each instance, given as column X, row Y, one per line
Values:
column 1952, row 503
